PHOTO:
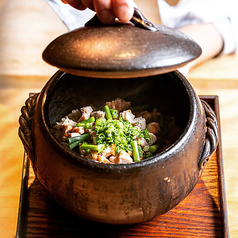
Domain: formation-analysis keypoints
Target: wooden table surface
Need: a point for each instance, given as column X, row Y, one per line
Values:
column 26, row 28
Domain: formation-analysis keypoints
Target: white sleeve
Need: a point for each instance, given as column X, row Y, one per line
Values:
column 188, row 12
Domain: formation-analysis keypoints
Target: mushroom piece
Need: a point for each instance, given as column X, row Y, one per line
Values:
column 153, row 127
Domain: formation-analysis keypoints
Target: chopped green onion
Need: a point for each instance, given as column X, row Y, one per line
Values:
column 114, row 113
column 100, row 121
column 146, row 148
column 85, row 122
column 155, row 147
column 79, row 138
column 148, row 155
column 146, row 134
column 74, row 141
column 108, row 113
column 136, row 155
column 88, row 125
column 73, row 144
column 98, row 148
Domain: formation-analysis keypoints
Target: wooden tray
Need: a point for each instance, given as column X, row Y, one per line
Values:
column 201, row 214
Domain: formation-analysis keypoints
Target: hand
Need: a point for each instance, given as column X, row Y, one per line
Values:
column 107, row 10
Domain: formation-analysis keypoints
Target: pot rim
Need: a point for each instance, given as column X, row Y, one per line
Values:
column 76, row 159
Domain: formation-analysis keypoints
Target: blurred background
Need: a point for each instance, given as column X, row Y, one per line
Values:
column 26, row 28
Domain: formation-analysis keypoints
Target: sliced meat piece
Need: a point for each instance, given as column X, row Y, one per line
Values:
column 113, row 159
column 66, row 129
column 97, row 114
column 139, row 122
column 67, row 121
column 119, row 104
column 124, row 158
column 67, row 126
column 80, row 130
column 110, row 150
column 127, row 115
column 143, row 142
column 83, row 117
column 103, row 159
column 75, row 115
column 86, row 111
column 93, row 155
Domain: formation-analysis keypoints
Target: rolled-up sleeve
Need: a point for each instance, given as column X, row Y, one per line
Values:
column 188, row 12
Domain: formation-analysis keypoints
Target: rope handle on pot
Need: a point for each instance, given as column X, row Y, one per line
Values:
column 211, row 139
column 25, row 119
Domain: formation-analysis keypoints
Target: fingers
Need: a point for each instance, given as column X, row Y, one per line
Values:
column 107, row 10
column 104, row 9
column 123, row 9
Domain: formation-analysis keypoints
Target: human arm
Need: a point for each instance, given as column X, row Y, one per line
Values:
column 209, row 39
column 207, row 21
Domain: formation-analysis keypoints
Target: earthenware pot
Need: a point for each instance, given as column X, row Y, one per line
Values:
column 120, row 193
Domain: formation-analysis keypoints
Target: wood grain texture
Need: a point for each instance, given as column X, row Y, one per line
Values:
column 201, row 214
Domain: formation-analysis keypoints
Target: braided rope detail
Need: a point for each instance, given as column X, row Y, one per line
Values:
column 211, row 139
column 25, row 119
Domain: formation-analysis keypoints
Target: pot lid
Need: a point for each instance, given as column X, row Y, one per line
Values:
column 136, row 49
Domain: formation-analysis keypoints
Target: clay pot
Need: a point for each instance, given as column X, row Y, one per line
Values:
column 119, row 193
column 135, row 66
